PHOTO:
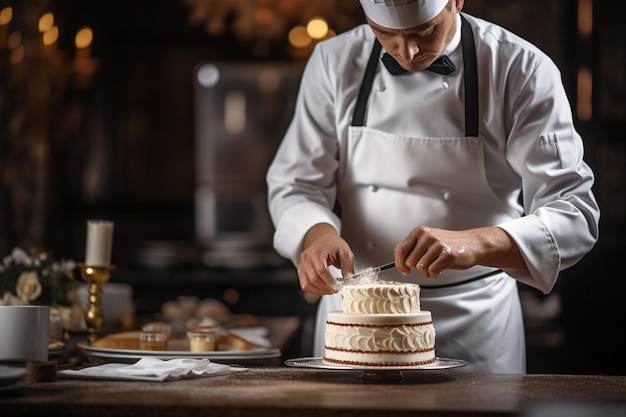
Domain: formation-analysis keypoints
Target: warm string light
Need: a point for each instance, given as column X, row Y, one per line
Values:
column 82, row 42
column 83, row 38
column 299, row 23
column 6, row 15
column 13, row 43
column 49, row 32
column 83, row 63
column 46, row 97
column 315, row 30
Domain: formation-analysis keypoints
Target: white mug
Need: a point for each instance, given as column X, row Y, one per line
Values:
column 24, row 333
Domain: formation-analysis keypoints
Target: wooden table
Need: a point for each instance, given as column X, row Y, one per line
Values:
column 283, row 391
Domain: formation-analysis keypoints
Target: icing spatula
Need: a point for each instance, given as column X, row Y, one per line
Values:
column 360, row 276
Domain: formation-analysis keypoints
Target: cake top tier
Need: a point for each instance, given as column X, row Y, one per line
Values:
column 381, row 297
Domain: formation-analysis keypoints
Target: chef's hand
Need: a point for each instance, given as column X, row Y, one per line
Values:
column 431, row 250
column 323, row 247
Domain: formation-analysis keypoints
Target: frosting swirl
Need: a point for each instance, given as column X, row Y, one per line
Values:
column 382, row 297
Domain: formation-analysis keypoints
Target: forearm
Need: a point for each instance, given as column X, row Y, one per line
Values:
column 318, row 231
column 498, row 249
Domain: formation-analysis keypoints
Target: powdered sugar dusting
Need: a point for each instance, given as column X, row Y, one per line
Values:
column 368, row 276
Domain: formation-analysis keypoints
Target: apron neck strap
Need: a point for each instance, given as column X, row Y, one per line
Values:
column 358, row 116
column 470, row 73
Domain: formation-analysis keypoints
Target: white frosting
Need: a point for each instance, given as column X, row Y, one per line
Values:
column 381, row 324
column 383, row 339
column 383, row 297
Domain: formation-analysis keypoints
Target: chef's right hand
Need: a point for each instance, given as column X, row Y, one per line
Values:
column 323, row 247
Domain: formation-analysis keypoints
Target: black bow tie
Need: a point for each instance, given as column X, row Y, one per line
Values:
column 442, row 65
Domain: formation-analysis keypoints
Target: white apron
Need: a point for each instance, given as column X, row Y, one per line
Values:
column 390, row 184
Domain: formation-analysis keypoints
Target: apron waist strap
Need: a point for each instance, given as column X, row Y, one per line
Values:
column 467, row 281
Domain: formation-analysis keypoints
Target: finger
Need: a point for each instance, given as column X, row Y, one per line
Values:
column 445, row 260
column 400, row 264
column 419, row 257
column 402, row 252
column 308, row 277
column 439, row 257
column 425, row 263
column 347, row 265
column 312, row 284
column 317, row 280
column 328, row 282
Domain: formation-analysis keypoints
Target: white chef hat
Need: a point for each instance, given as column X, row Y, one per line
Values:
column 402, row 14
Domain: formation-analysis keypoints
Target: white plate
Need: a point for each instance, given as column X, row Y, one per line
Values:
column 318, row 363
column 134, row 354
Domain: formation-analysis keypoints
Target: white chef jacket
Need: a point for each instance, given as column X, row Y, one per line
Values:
column 533, row 157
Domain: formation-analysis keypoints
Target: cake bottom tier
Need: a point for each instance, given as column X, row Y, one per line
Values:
column 380, row 339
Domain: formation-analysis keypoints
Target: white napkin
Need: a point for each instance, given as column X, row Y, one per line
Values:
column 153, row 369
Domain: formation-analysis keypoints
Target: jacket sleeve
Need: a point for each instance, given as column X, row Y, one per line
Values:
column 543, row 147
column 301, row 178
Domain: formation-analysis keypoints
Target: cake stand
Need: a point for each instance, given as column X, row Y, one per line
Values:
column 378, row 373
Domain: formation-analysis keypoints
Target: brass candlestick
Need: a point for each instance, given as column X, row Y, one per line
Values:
column 96, row 276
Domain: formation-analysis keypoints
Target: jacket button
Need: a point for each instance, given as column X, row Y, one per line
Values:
column 373, row 188
column 371, row 245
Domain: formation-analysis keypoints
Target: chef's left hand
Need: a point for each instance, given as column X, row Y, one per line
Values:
column 432, row 250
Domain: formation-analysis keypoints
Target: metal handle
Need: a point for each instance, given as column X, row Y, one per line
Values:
column 354, row 278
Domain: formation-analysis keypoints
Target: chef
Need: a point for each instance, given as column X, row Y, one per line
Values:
column 445, row 143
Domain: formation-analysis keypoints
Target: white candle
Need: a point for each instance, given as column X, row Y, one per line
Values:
column 99, row 243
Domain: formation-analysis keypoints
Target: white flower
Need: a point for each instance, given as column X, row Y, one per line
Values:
column 28, row 286
column 21, row 257
column 9, row 299
column 66, row 266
